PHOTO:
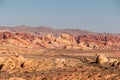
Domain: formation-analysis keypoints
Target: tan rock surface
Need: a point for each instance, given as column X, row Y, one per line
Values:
column 101, row 59
column 30, row 65
column 16, row 78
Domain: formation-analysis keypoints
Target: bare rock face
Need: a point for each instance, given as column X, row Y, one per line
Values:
column 114, row 62
column 49, row 37
column 68, row 37
column 30, row 65
column 101, row 59
column 2, row 59
column 12, row 64
column 59, row 62
column 1, row 62
column 64, row 41
column 19, row 64
column 20, row 58
column 100, row 41
column 16, row 78
column 67, row 41
column 111, row 60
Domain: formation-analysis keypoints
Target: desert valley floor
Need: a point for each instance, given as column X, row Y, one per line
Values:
column 55, row 64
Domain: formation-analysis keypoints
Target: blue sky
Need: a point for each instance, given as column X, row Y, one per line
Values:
column 93, row 15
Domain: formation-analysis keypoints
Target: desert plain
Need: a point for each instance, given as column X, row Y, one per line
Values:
column 56, row 64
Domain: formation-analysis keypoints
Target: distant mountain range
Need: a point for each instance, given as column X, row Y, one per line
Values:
column 44, row 30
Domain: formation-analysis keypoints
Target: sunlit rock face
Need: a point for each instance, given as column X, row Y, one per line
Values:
column 63, row 41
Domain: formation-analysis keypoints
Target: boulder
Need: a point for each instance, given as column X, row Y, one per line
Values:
column 101, row 59
column 113, row 62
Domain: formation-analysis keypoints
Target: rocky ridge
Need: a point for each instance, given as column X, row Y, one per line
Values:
column 63, row 41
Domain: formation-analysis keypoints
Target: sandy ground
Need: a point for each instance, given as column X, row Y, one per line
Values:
column 76, row 65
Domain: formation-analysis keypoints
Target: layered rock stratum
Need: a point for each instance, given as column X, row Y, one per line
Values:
column 44, row 37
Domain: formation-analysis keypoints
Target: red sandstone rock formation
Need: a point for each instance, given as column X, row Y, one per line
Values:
column 66, row 41
column 100, row 41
